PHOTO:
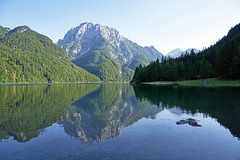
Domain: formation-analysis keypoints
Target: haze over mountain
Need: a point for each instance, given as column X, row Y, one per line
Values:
column 27, row 56
column 102, row 51
column 179, row 51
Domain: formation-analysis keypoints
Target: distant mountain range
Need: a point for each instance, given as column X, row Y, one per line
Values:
column 179, row 51
column 102, row 51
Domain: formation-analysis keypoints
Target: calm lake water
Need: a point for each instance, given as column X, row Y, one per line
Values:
column 118, row 121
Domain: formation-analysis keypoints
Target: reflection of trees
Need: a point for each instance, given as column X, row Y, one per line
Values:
column 95, row 112
column 220, row 103
column 104, row 113
column 25, row 110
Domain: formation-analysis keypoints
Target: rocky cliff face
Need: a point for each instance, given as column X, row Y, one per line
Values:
column 87, row 31
column 19, row 29
column 87, row 38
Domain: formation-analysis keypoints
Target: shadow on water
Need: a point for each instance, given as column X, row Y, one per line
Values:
column 221, row 103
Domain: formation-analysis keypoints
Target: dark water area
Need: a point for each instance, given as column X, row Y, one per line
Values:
column 118, row 121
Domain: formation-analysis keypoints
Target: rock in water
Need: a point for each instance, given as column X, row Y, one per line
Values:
column 181, row 122
column 190, row 121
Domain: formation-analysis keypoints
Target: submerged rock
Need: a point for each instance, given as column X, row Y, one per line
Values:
column 181, row 122
column 190, row 121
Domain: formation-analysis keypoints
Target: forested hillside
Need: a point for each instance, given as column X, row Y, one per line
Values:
column 221, row 60
column 2, row 32
column 101, row 64
column 27, row 56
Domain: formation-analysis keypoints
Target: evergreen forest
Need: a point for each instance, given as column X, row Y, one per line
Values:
column 221, row 60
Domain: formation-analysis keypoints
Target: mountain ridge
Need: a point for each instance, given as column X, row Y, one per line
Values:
column 88, row 39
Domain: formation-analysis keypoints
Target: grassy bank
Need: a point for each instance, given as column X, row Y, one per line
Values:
column 211, row 82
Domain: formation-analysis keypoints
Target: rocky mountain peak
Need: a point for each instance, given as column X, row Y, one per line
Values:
column 98, row 49
column 88, row 31
column 19, row 29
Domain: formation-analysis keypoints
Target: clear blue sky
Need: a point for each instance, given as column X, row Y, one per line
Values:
column 165, row 24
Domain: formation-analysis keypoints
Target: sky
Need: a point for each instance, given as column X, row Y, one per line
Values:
column 164, row 24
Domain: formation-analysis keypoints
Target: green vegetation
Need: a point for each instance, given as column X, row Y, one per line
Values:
column 145, row 55
column 221, row 60
column 72, row 49
column 26, row 56
column 141, row 60
column 210, row 82
column 2, row 32
column 101, row 64
column 112, row 54
column 154, row 53
column 127, row 74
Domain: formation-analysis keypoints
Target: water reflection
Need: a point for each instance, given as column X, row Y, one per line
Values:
column 221, row 103
column 94, row 112
column 26, row 111
column 104, row 113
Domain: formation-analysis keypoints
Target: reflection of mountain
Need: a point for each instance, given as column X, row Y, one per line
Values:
column 220, row 103
column 104, row 113
column 25, row 110
column 94, row 112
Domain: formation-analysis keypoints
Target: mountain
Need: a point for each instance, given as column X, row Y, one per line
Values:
column 27, row 56
column 175, row 52
column 154, row 51
column 102, row 51
column 179, row 51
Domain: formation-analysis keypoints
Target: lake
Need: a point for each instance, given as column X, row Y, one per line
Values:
column 118, row 121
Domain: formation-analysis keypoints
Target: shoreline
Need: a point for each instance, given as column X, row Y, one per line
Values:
column 16, row 84
column 13, row 84
column 211, row 82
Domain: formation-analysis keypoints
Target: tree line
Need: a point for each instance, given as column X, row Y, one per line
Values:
column 221, row 60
